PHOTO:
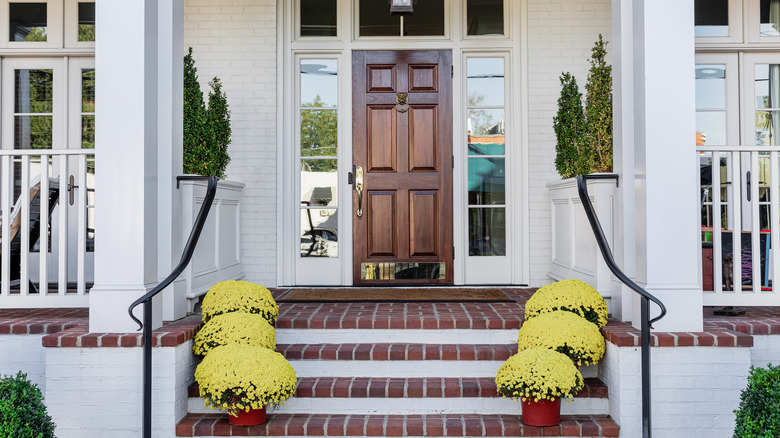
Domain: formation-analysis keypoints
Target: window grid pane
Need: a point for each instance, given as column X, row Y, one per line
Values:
column 86, row 22
column 28, row 22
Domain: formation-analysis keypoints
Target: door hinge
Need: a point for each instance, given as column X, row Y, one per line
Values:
column 452, row 72
column 453, row 252
column 453, row 161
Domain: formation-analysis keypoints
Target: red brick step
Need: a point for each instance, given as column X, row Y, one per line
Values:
column 362, row 387
column 207, row 425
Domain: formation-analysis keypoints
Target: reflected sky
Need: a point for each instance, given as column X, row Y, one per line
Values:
column 319, row 77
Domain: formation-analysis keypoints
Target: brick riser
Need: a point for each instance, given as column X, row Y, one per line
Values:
column 399, row 396
column 208, row 425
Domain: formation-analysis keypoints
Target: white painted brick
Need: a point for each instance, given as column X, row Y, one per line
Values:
column 23, row 353
column 111, row 379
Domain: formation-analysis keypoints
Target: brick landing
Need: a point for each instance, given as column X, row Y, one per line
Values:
column 397, row 425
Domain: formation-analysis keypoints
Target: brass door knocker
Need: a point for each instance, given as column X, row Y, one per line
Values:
column 402, row 99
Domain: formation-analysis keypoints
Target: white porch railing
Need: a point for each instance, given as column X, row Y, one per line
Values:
column 740, row 205
column 50, row 190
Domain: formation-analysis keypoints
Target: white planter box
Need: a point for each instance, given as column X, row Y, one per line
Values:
column 217, row 256
column 575, row 253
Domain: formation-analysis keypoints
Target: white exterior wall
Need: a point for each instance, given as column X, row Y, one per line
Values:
column 694, row 389
column 24, row 353
column 560, row 36
column 766, row 350
column 235, row 40
column 111, row 379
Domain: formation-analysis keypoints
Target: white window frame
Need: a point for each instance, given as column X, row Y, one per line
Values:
column 71, row 25
column 54, row 20
column 733, row 104
column 464, row 23
column 8, row 93
column 289, row 47
column 323, row 270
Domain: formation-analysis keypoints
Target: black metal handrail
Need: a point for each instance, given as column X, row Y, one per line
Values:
column 647, row 323
column 189, row 249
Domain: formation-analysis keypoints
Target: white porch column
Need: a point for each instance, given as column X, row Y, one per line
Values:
column 170, row 163
column 655, row 156
column 126, row 58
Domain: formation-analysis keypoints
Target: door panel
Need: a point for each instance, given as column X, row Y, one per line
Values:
column 402, row 137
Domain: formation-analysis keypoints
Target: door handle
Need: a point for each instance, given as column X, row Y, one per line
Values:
column 359, row 189
column 71, row 189
column 747, row 183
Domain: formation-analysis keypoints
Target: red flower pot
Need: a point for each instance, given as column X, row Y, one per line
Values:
column 251, row 418
column 542, row 413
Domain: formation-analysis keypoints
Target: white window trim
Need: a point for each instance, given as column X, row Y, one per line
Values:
column 733, row 104
column 71, row 24
column 54, row 20
column 289, row 46
column 8, row 94
column 464, row 23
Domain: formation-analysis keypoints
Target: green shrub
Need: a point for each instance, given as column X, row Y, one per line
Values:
column 22, row 412
column 584, row 137
column 758, row 415
column 206, row 129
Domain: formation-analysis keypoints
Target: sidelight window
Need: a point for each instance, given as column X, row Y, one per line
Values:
column 318, row 158
column 486, row 143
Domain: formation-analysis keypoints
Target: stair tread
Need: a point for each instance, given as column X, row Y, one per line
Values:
column 420, row 387
column 397, row 351
column 396, row 425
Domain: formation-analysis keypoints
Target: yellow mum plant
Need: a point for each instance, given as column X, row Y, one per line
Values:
column 566, row 333
column 571, row 295
column 234, row 328
column 232, row 296
column 239, row 377
column 538, row 374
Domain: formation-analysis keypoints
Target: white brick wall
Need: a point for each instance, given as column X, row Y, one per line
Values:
column 694, row 389
column 236, row 41
column 766, row 349
column 24, row 353
column 560, row 36
column 97, row 392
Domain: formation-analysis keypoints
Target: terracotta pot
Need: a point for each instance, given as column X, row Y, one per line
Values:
column 542, row 413
column 251, row 418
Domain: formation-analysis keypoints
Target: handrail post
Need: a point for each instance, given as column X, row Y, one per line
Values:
column 146, row 300
column 646, row 322
column 646, row 418
column 147, row 359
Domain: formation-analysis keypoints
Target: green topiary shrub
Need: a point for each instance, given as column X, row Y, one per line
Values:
column 758, row 415
column 584, row 137
column 22, row 412
column 569, row 126
column 206, row 129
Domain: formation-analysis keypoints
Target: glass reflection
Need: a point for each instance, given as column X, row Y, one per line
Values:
column 27, row 22
column 767, row 96
column 428, row 19
column 319, row 182
column 770, row 17
column 485, row 81
column 88, row 90
column 32, row 132
column 34, row 91
column 319, row 236
column 487, row 232
column 710, row 86
column 486, row 122
column 86, row 22
column 711, row 18
column 319, row 133
column 485, row 17
column 486, row 181
column 319, row 83
column 712, row 126
column 375, row 19
column 318, row 17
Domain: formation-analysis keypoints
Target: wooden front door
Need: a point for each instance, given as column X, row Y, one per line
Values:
column 402, row 152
